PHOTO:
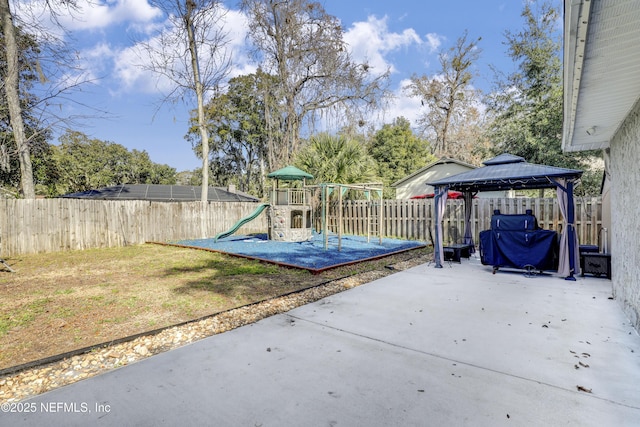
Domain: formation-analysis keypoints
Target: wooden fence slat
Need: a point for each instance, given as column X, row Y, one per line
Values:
column 412, row 219
column 46, row 225
column 31, row 226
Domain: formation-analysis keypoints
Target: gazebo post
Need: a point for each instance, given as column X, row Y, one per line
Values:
column 468, row 207
column 571, row 230
column 325, row 208
column 367, row 194
column 437, row 228
column 380, row 217
column 340, row 188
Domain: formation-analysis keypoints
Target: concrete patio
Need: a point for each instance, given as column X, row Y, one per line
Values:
column 451, row 346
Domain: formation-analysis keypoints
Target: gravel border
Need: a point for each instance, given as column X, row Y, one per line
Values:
column 30, row 382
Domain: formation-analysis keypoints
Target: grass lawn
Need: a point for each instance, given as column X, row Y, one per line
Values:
column 62, row 301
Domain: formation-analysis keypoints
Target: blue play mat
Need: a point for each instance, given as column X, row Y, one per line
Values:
column 309, row 255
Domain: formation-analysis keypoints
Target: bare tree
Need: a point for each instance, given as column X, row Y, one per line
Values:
column 448, row 95
column 11, row 88
column 53, row 75
column 191, row 54
column 467, row 140
column 302, row 46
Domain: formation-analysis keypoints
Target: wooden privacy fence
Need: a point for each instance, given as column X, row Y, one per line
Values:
column 413, row 219
column 49, row 225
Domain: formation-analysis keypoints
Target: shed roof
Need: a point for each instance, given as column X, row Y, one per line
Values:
column 161, row 193
column 441, row 161
column 290, row 173
column 506, row 172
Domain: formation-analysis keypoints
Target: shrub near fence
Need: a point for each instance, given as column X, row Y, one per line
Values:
column 413, row 219
column 49, row 225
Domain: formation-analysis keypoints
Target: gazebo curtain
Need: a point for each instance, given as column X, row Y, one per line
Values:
column 468, row 206
column 567, row 251
column 440, row 200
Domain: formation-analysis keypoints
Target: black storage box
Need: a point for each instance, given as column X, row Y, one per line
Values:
column 586, row 248
column 596, row 263
column 457, row 251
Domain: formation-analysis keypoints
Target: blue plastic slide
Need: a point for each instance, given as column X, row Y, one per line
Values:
column 242, row 222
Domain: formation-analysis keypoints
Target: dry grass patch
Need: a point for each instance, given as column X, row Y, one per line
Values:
column 63, row 301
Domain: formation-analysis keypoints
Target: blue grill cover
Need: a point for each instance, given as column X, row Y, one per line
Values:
column 515, row 241
column 514, row 222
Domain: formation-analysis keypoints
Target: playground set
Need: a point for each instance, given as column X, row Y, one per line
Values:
column 290, row 208
column 291, row 238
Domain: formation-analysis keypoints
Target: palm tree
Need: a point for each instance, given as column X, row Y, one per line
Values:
column 337, row 159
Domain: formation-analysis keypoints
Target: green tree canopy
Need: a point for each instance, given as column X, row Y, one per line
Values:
column 84, row 163
column 526, row 107
column 398, row 152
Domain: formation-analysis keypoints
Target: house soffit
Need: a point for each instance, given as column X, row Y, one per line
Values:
column 601, row 68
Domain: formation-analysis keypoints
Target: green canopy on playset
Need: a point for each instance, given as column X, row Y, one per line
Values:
column 290, row 173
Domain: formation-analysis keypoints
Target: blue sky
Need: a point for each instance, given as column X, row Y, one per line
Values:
column 406, row 35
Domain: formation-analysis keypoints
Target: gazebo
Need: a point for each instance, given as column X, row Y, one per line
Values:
column 509, row 172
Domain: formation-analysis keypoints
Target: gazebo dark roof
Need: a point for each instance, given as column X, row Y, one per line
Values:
column 161, row 193
column 506, row 172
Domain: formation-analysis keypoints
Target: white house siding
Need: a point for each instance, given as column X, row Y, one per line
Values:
column 625, row 215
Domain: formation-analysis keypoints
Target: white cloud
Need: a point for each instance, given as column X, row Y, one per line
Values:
column 104, row 14
column 402, row 105
column 97, row 61
column 371, row 41
column 87, row 16
column 434, row 41
column 129, row 63
column 130, row 74
column 237, row 25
